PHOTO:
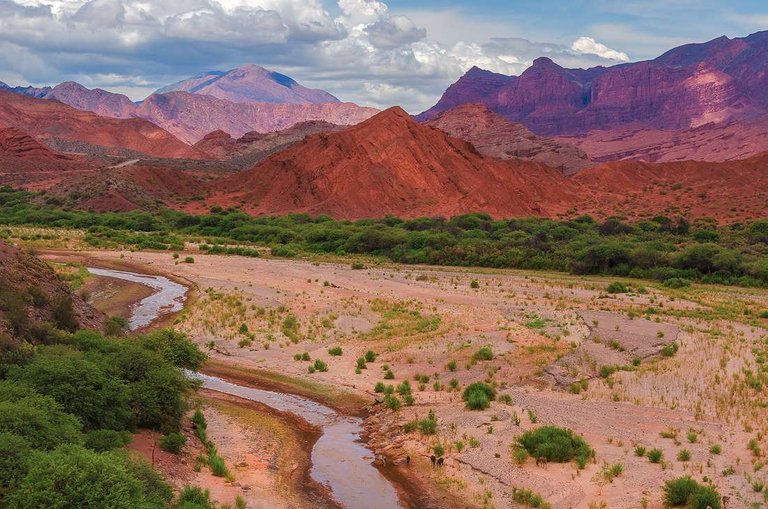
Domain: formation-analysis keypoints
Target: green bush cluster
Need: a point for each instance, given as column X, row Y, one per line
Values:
column 686, row 492
column 67, row 410
column 555, row 444
column 478, row 396
column 666, row 249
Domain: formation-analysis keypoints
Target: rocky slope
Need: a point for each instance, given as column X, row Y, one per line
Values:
column 101, row 102
column 45, row 119
column 714, row 142
column 253, row 147
column 192, row 116
column 15, row 143
column 729, row 191
column 250, row 84
column 31, row 296
column 390, row 164
column 493, row 136
column 690, row 86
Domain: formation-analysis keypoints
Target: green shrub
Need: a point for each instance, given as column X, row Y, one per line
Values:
column 474, row 284
column 655, row 455
column 173, row 442
column 370, row 356
column 428, row 426
column 40, row 420
column 320, row 366
column 193, row 497
column 101, row 440
column 218, row 466
column 685, row 491
column 555, row 444
column 14, row 460
column 676, row 282
column 72, row 476
column 529, row 498
column 478, row 396
column 336, row 351
column 617, row 287
column 483, row 354
column 189, row 259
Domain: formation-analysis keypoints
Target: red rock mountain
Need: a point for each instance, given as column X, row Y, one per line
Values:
column 253, row 147
column 494, row 136
column 192, row 116
column 690, row 86
column 714, row 142
column 251, row 84
column 18, row 144
column 390, row 164
column 729, row 192
column 52, row 120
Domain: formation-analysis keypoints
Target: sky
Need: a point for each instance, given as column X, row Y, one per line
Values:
column 373, row 52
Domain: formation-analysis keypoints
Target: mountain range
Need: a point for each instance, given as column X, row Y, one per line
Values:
column 684, row 134
column 632, row 110
column 238, row 101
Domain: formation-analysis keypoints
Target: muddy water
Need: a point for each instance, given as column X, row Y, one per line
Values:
column 339, row 458
column 169, row 296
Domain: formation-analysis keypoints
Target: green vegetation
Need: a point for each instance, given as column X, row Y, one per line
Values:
column 555, row 444
column 478, row 396
column 529, row 498
column 68, row 407
column 686, row 492
column 669, row 250
column 173, row 442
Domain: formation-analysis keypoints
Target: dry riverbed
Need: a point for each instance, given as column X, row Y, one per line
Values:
column 686, row 357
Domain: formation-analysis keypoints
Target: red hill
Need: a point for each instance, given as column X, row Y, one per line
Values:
column 390, row 164
column 46, row 119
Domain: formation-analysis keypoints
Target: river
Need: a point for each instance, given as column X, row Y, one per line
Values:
column 340, row 459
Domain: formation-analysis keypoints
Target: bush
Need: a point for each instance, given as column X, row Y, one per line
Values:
column 102, row 440
column 655, row 455
column 72, row 476
column 617, row 287
column 193, row 497
column 428, row 426
column 478, row 396
column 14, row 456
column 335, row 351
column 483, row 354
column 685, row 491
column 189, row 259
column 677, row 282
column 555, row 444
column 370, row 356
column 320, row 366
column 63, row 314
column 173, row 442
column 529, row 498
column 38, row 419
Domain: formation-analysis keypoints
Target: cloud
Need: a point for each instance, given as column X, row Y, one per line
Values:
column 359, row 50
column 589, row 46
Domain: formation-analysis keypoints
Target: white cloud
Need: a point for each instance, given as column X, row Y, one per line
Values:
column 589, row 46
column 364, row 52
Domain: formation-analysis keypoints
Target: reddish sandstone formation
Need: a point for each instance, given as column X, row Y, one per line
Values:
column 18, row 144
column 390, row 164
column 496, row 137
column 729, row 192
column 253, row 147
column 50, row 119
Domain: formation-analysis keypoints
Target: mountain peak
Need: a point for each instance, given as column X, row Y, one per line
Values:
column 250, row 83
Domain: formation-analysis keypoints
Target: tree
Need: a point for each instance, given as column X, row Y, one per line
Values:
column 72, row 477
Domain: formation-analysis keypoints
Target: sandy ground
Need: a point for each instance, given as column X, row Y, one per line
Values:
column 546, row 331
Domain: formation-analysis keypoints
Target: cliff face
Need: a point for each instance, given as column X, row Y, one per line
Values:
column 689, row 86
